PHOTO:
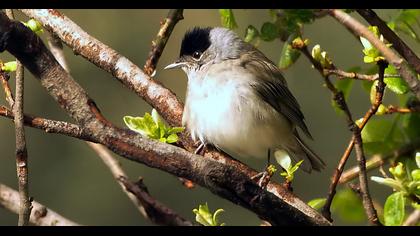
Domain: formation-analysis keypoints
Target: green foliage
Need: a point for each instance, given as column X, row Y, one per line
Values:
column 406, row 186
column 153, row 127
column 317, row 203
column 206, row 218
column 411, row 125
column 395, row 84
column 371, row 54
column 269, row 31
column 35, row 26
column 286, row 163
column 394, row 209
column 8, row 66
column 348, row 206
column 321, row 57
column 228, row 19
column 381, row 135
column 251, row 33
column 404, row 21
column 289, row 55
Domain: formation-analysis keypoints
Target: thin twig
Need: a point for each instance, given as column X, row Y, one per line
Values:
column 339, row 98
column 354, row 75
column 397, row 43
column 116, row 171
column 377, row 160
column 25, row 206
column 156, row 211
column 4, row 77
column 360, row 30
column 40, row 215
column 162, row 37
column 230, row 181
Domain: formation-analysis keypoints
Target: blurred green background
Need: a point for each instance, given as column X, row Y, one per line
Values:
column 68, row 177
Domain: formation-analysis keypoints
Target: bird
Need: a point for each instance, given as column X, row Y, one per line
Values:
column 238, row 101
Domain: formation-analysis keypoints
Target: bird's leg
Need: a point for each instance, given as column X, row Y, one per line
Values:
column 265, row 176
column 200, row 148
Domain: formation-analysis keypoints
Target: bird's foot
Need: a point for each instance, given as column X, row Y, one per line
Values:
column 201, row 148
column 263, row 178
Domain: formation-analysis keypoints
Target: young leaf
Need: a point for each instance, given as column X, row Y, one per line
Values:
column 228, row 19
column 395, row 84
column 317, row 203
column 251, row 33
column 205, row 217
column 289, row 55
column 172, row 138
column 394, row 209
column 9, row 66
column 135, row 124
column 269, row 31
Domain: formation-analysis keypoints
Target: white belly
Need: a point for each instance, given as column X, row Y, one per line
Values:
column 232, row 118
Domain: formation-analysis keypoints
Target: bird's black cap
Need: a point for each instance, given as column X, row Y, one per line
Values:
column 197, row 39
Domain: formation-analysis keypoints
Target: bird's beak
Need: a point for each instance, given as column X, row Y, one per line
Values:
column 176, row 64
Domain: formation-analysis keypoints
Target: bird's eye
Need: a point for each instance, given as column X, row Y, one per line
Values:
column 196, row 54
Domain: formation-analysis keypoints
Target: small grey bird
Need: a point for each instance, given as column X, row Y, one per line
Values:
column 237, row 99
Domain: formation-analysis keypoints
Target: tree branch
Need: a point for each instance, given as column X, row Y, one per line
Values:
column 4, row 77
column 340, row 100
column 223, row 179
column 21, row 151
column 156, row 211
column 162, row 37
column 153, row 92
column 413, row 219
column 354, row 75
column 40, row 215
column 360, row 30
column 397, row 43
column 378, row 160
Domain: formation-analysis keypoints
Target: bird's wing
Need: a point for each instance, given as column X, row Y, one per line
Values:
column 272, row 88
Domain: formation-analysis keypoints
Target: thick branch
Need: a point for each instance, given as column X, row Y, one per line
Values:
column 397, row 43
column 227, row 181
column 40, row 215
column 162, row 37
column 357, row 28
column 159, row 97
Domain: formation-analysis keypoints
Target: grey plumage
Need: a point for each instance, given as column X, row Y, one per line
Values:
column 238, row 100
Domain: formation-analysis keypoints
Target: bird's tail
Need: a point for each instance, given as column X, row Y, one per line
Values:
column 298, row 150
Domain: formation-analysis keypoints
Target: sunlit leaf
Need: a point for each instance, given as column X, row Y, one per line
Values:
column 227, row 18
column 317, row 203
column 394, row 209
column 395, row 84
column 288, row 55
column 251, row 33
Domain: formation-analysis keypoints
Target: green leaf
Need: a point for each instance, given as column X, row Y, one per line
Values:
column 395, row 84
column 135, row 124
column 9, row 66
column 174, row 130
column 317, row 203
column 404, row 22
column 411, row 125
column 375, row 129
column 348, row 206
column 173, row 138
column 289, row 55
column 34, row 25
column 394, row 209
column 269, row 31
column 228, row 19
column 205, row 217
column 251, row 33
